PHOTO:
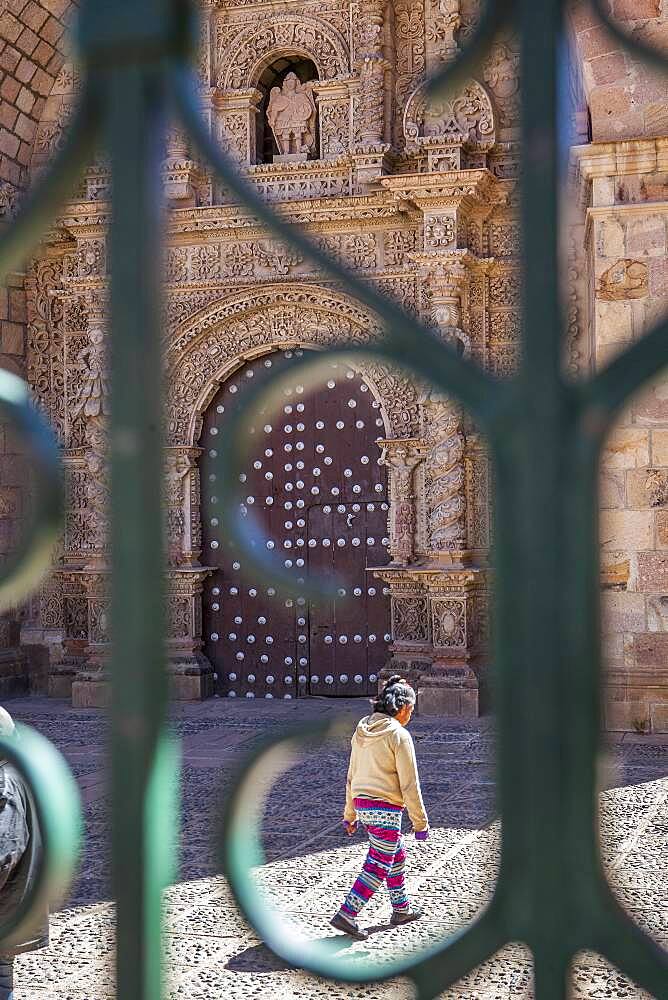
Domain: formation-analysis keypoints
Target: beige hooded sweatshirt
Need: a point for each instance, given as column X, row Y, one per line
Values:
column 383, row 766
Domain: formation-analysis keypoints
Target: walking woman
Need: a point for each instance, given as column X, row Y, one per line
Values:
column 382, row 780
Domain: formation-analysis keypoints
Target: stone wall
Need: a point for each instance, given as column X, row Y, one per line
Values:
column 13, row 664
column 32, row 52
column 624, row 185
column 626, row 99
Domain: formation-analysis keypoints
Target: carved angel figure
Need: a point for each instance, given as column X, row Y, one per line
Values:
column 291, row 115
column 93, row 396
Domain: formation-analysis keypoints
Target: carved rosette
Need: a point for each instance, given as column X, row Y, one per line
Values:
column 401, row 456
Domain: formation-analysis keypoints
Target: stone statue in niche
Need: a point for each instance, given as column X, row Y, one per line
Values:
column 291, row 116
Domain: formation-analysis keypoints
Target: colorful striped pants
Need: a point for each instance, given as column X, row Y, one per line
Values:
column 386, row 858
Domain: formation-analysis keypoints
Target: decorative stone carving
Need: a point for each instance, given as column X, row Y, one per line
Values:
column 444, row 467
column 467, row 118
column 410, row 52
column 401, row 456
column 371, row 97
column 626, row 279
column 213, row 342
column 180, row 469
column 291, row 116
column 334, row 118
column 445, row 25
column 8, row 199
column 410, row 619
column 501, row 74
column 241, row 59
column 448, row 622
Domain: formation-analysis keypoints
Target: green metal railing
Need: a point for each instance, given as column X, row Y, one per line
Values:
column 544, row 433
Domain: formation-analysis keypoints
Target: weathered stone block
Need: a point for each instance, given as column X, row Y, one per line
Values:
column 612, row 491
column 91, row 694
column 615, row 570
column 659, row 716
column 623, row 612
column 610, row 238
column 627, row 529
column 646, row 236
column 658, row 279
column 622, row 716
column 614, row 322
column 650, row 650
column 608, row 68
column 657, row 612
column 647, row 487
column 659, row 447
column 626, row 448
column 661, row 529
column 652, row 572
column 651, row 406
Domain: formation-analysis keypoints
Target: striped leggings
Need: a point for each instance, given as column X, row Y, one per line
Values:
column 385, row 860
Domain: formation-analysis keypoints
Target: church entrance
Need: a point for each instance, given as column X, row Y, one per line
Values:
column 314, row 481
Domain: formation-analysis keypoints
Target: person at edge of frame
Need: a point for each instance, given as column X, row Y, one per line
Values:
column 20, row 859
column 383, row 780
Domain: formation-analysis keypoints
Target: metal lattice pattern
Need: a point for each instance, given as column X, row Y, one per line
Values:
column 545, row 437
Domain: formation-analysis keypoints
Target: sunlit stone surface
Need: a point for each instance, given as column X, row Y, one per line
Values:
column 211, row 952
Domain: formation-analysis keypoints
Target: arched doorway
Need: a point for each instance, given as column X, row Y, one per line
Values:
column 315, row 482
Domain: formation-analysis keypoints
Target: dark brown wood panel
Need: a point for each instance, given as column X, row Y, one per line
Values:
column 314, row 483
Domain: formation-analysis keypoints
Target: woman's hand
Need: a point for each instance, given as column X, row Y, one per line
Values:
column 422, row 834
column 349, row 827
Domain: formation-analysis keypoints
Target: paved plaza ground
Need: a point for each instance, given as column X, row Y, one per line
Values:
column 210, row 950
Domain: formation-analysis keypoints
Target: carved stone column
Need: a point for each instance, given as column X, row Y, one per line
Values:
column 370, row 146
column 89, row 688
column 443, row 23
column 191, row 671
column 401, row 456
column 178, row 169
column 235, row 114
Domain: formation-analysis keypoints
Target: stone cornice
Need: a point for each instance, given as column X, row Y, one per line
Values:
column 626, row 156
column 459, row 189
column 84, row 219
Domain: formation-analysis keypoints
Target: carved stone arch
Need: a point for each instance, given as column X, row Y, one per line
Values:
column 465, row 117
column 295, row 34
column 212, row 344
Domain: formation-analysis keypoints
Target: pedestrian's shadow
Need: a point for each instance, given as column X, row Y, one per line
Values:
column 258, row 958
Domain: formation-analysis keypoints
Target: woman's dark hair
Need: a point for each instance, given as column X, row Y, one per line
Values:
column 395, row 694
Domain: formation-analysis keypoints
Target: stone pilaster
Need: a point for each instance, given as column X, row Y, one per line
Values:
column 442, row 22
column 192, row 674
column 334, row 116
column 235, row 114
column 401, row 456
column 370, row 153
column 178, row 169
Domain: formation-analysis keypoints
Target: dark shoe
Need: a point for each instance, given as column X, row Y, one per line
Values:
column 349, row 926
column 400, row 917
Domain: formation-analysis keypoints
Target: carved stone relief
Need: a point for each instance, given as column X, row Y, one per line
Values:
column 239, row 58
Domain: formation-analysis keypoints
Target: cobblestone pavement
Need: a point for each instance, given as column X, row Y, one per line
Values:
column 210, row 950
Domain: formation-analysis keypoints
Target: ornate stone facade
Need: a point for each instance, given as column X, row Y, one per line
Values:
column 333, row 128
column 421, row 202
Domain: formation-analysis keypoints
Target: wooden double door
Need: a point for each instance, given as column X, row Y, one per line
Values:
column 316, row 488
